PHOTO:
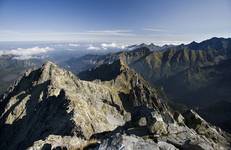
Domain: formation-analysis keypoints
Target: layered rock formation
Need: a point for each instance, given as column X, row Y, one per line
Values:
column 50, row 108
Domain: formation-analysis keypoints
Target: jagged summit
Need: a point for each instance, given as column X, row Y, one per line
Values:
column 48, row 66
column 51, row 108
column 51, row 100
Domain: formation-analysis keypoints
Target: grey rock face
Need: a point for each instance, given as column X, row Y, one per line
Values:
column 119, row 142
column 194, row 121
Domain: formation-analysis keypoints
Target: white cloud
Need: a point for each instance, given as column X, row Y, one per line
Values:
column 26, row 53
column 73, row 45
column 112, row 45
column 26, row 57
column 155, row 29
column 85, row 35
column 119, row 32
column 91, row 47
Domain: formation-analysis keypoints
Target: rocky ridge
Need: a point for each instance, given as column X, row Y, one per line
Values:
column 50, row 108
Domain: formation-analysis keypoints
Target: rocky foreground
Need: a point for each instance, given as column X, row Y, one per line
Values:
column 50, row 108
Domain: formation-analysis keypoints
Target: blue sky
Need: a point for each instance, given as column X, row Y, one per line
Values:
column 128, row 21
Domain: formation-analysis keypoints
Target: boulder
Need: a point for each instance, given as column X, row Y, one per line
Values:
column 179, row 118
column 142, row 122
column 156, row 124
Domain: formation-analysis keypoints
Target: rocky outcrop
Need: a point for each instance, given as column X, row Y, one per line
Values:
column 194, row 121
column 50, row 108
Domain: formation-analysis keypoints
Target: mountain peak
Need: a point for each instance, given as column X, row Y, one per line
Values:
column 50, row 71
column 51, row 100
column 193, row 42
column 50, row 67
column 49, row 64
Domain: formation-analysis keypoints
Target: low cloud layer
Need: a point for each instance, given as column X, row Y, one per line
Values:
column 91, row 47
column 73, row 45
column 106, row 46
column 40, row 50
column 112, row 45
column 26, row 53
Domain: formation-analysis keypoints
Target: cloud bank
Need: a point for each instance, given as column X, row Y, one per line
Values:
column 106, row 46
column 155, row 29
column 91, row 47
column 26, row 53
column 112, row 45
column 73, row 45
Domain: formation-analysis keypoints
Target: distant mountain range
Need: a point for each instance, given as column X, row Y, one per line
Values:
column 151, row 47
